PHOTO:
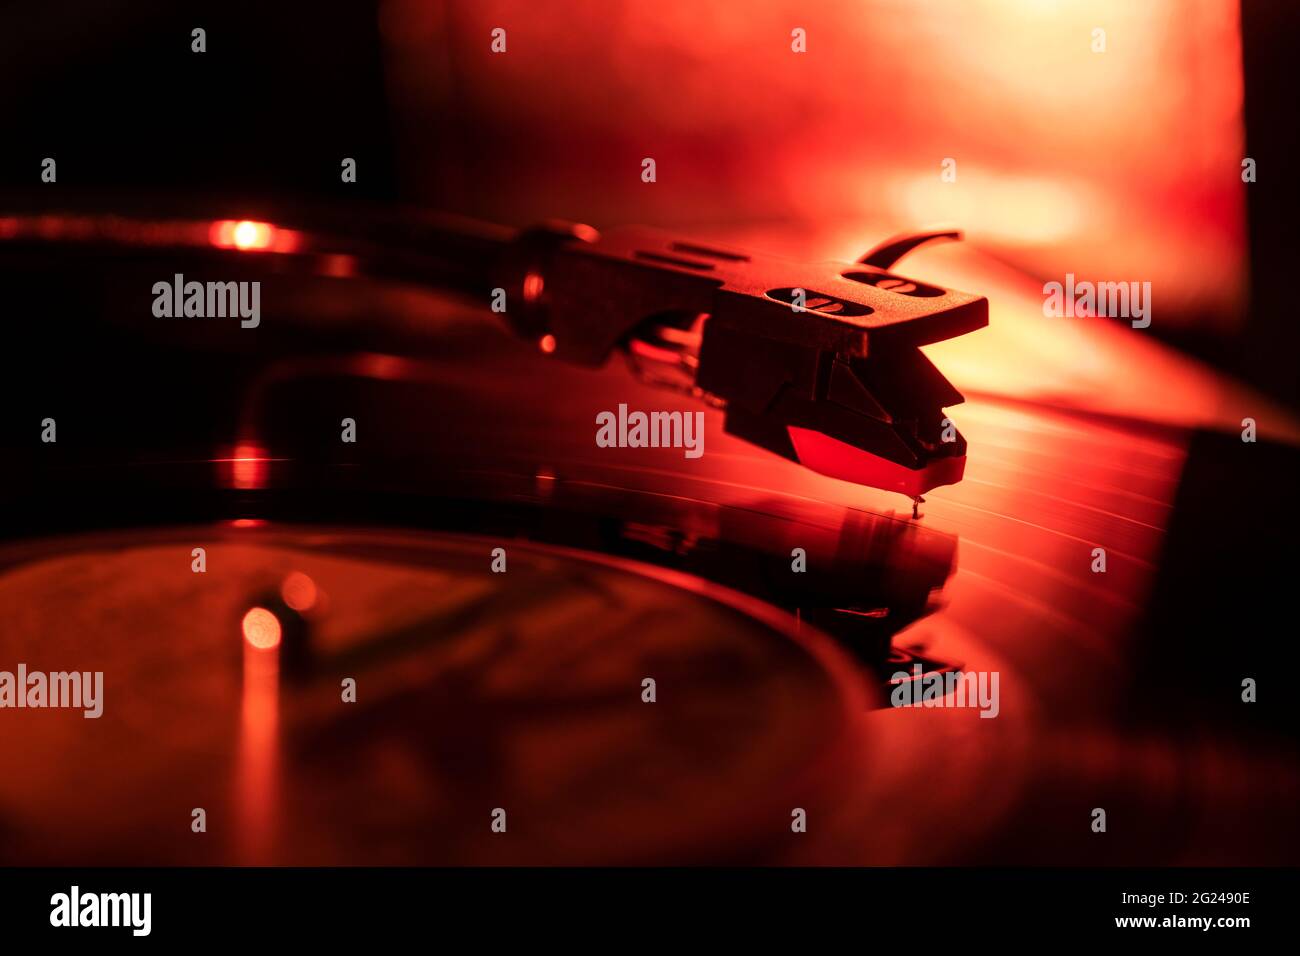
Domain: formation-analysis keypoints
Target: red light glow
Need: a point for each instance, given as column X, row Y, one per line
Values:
column 247, row 467
column 533, row 286
column 261, row 628
column 248, row 235
column 299, row 591
column 242, row 234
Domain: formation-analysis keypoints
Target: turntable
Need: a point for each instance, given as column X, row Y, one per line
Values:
column 365, row 586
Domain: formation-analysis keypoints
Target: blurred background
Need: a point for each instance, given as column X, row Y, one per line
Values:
column 1122, row 164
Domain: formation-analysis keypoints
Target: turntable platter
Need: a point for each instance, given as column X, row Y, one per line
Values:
column 474, row 691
